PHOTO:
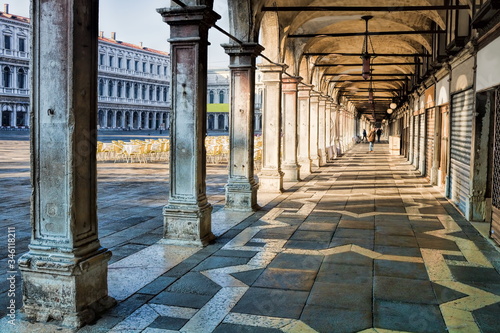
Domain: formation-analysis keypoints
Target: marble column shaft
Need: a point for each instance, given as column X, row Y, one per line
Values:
column 271, row 176
column 314, row 128
column 187, row 216
column 321, row 130
column 290, row 166
column 241, row 189
column 65, row 271
column 304, row 128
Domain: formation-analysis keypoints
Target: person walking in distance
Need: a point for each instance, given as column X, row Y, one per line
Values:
column 379, row 133
column 364, row 135
column 371, row 139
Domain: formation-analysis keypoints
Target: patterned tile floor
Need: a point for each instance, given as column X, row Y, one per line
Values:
column 361, row 245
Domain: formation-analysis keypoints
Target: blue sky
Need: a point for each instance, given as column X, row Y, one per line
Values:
column 137, row 21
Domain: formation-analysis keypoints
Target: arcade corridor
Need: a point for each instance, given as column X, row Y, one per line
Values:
column 361, row 245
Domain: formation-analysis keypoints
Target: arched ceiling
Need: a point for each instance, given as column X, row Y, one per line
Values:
column 311, row 47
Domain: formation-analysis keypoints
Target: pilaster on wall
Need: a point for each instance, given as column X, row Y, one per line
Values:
column 241, row 190
column 314, row 129
column 187, row 216
column 271, row 176
column 65, row 271
column 321, row 130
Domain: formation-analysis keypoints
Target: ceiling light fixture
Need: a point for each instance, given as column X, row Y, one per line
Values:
column 366, row 72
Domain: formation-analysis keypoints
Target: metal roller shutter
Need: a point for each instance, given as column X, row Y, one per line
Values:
column 430, row 117
column 421, row 144
column 495, row 193
column 460, row 149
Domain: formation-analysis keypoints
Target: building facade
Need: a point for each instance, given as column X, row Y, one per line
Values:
column 133, row 83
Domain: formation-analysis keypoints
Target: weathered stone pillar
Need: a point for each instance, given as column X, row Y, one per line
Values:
column 314, row 148
column 335, row 129
column 271, row 176
column 65, row 271
column 321, row 130
column 328, row 128
column 187, row 216
column 290, row 166
column 304, row 128
column 241, row 190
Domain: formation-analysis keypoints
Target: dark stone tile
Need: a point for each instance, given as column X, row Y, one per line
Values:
column 401, row 241
column 157, row 285
column 279, row 278
column 276, row 233
column 475, row 274
column 444, row 294
column 128, row 306
column 403, row 230
column 362, row 242
column 306, row 245
column 318, row 226
column 436, row 243
column 326, row 319
column 339, row 273
column 356, row 224
column 354, row 233
column 272, row 302
column 403, row 290
column 350, row 258
column 218, row 262
column 408, row 317
column 248, row 277
column 401, row 269
column 320, row 236
column 487, row 318
column 296, row 261
column 347, row 296
column 195, row 283
column 398, row 251
column 181, row 299
column 233, row 328
column 235, row 253
column 168, row 323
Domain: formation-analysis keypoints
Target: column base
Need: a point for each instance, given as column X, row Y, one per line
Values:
column 241, row 196
column 315, row 161
column 305, row 168
column 290, row 172
column 271, row 181
column 322, row 157
column 187, row 225
column 68, row 290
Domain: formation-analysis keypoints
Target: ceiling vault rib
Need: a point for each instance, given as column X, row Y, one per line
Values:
column 375, row 33
column 377, row 74
column 359, row 65
column 359, row 8
column 370, row 54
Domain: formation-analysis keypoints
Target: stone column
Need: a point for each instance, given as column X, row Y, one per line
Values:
column 114, row 119
column 313, row 133
column 304, row 138
column 271, row 176
column 65, row 271
column 241, row 189
column 187, row 216
column 328, row 128
column 321, row 130
column 290, row 166
column 334, row 130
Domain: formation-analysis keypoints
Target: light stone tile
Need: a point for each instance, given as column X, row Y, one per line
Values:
column 143, row 267
column 173, row 311
column 222, row 276
column 298, row 326
column 223, row 220
column 459, row 320
column 138, row 320
column 400, row 258
column 157, row 330
column 257, row 321
column 212, row 313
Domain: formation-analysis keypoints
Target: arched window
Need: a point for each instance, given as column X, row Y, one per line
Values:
column 151, row 89
column 143, row 92
column 136, row 91
column 101, row 87
column 158, row 91
column 110, row 88
column 119, row 90
column 6, row 77
column 21, row 78
column 221, row 96
column 165, row 94
column 211, row 97
column 127, row 90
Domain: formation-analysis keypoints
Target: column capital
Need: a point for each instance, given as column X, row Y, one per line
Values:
column 191, row 15
column 268, row 67
column 250, row 49
column 290, row 83
column 306, row 87
column 315, row 94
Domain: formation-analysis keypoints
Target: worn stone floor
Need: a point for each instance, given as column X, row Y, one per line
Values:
column 361, row 245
